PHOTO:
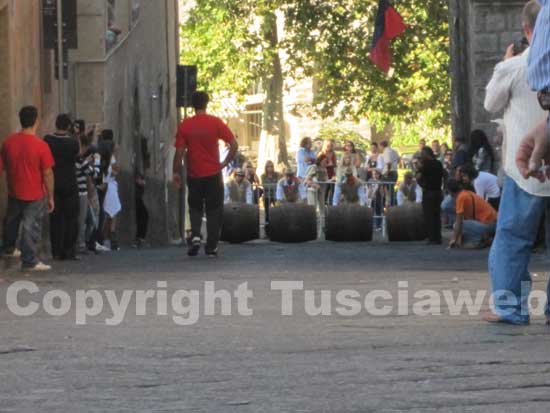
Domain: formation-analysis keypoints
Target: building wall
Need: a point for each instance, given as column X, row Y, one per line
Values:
column 140, row 104
column 481, row 30
column 87, row 63
column 26, row 76
column 5, row 102
column 130, row 88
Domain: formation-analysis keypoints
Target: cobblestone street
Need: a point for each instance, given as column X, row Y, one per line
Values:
column 268, row 362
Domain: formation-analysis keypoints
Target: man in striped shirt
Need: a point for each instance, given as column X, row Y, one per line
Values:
column 539, row 58
column 536, row 145
column 84, row 177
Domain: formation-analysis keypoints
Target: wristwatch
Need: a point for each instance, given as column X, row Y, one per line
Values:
column 544, row 99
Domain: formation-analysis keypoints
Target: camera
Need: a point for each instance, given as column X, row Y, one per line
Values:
column 520, row 45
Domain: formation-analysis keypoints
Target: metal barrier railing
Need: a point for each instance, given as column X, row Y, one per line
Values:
column 378, row 195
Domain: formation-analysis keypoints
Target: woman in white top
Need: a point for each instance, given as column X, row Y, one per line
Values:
column 346, row 161
column 111, row 204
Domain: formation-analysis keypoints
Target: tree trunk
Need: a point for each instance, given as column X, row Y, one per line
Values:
column 273, row 137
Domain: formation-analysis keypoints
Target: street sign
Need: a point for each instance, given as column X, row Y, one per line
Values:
column 49, row 24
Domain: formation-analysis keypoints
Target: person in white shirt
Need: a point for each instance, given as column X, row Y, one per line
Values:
column 238, row 189
column 484, row 183
column 390, row 156
column 409, row 191
column 523, row 202
column 374, row 161
column 349, row 191
column 391, row 164
column 305, row 157
column 290, row 189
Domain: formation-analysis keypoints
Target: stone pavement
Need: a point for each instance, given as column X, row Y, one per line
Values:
column 268, row 362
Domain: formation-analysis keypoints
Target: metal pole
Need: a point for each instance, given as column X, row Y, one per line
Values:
column 60, row 59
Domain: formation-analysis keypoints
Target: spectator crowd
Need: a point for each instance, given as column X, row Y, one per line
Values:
column 72, row 173
column 337, row 173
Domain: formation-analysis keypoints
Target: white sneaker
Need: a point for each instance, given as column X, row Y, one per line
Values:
column 39, row 267
column 15, row 254
column 101, row 248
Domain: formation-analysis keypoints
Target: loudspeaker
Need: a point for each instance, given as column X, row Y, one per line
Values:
column 186, row 85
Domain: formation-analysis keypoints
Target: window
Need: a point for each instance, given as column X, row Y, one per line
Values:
column 113, row 30
column 168, row 101
column 111, row 12
column 161, row 101
column 253, row 126
column 134, row 13
column 256, row 88
column 120, row 122
column 137, row 112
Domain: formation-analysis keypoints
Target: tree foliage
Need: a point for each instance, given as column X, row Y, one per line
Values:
column 340, row 134
column 329, row 40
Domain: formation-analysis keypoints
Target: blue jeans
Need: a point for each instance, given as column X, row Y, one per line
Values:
column 448, row 209
column 519, row 218
column 24, row 216
column 475, row 231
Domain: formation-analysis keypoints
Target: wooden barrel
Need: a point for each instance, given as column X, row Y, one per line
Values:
column 406, row 223
column 349, row 223
column 293, row 222
column 241, row 223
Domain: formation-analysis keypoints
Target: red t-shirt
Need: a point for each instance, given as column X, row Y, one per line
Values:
column 25, row 158
column 200, row 135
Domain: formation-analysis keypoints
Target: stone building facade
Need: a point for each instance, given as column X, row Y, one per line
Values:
column 126, row 81
column 26, row 72
column 481, row 30
column 121, row 77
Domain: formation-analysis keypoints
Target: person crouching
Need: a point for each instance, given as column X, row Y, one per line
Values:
column 238, row 189
column 290, row 189
column 476, row 219
column 349, row 191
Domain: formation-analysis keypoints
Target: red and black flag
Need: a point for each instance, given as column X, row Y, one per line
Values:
column 389, row 25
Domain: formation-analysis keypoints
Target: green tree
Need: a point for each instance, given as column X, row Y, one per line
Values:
column 235, row 43
column 332, row 40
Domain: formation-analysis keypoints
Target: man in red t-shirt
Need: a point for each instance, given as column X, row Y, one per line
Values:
column 28, row 163
column 198, row 138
